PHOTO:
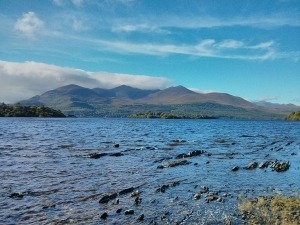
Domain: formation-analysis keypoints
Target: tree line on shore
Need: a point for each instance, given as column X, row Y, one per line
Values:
column 18, row 110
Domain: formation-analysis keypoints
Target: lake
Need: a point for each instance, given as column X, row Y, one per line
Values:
column 55, row 171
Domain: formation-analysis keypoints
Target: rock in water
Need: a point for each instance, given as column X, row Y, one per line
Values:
column 141, row 217
column 190, row 154
column 173, row 164
column 235, row 168
column 107, row 197
column 17, row 195
column 280, row 166
column 129, row 212
column 104, row 216
column 126, row 191
column 251, row 165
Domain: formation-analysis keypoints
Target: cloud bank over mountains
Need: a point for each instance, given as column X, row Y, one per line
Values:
column 21, row 80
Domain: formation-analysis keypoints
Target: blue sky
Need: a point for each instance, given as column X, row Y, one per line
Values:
column 248, row 48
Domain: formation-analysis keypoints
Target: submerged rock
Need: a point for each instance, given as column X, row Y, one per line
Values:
column 190, row 154
column 129, row 212
column 17, row 195
column 163, row 188
column 141, row 217
column 106, row 198
column 174, row 163
column 116, row 154
column 104, row 216
column 251, row 165
column 116, row 145
column 264, row 164
column 235, row 168
column 280, row 166
column 95, row 155
column 126, row 191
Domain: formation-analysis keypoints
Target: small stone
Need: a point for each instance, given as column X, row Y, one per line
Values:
column 129, row 212
column 136, row 193
column 141, row 217
column 197, row 196
column 235, row 168
column 119, row 210
column 104, row 216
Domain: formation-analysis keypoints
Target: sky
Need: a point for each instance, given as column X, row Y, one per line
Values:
column 247, row 48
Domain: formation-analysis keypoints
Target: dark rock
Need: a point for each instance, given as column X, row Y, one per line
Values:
column 129, row 212
column 126, row 191
column 137, row 200
column 235, row 168
column 107, row 197
column 136, row 193
column 174, row 163
column 251, row 165
column 104, row 216
column 117, row 154
column 116, row 145
column 119, row 210
column 175, row 183
column 280, row 166
column 17, row 195
column 163, row 188
column 190, row 154
column 204, row 189
column 96, row 155
column 116, row 202
column 197, row 196
column 207, row 162
column 263, row 164
column 141, row 217
column 49, row 206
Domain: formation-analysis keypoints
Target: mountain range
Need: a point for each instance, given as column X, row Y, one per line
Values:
column 124, row 100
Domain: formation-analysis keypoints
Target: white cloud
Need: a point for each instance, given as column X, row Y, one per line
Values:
column 29, row 24
column 204, row 48
column 20, row 81
column 231, row 44
column 202, row 91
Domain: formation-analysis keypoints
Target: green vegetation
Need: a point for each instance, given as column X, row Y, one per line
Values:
column 293, row 116
column 165, row 115
column 18, row 110
column 271, row 210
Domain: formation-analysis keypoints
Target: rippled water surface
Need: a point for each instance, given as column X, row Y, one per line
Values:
column 47, row 178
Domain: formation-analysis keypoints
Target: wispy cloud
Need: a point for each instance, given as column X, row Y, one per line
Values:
column 29, row 24
column 230, row 49
column 24, row 80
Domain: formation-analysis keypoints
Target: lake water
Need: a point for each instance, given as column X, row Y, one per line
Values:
column 47, row 178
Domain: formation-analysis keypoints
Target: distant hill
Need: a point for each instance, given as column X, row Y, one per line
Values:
column 124, row 100
column 278, row 108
